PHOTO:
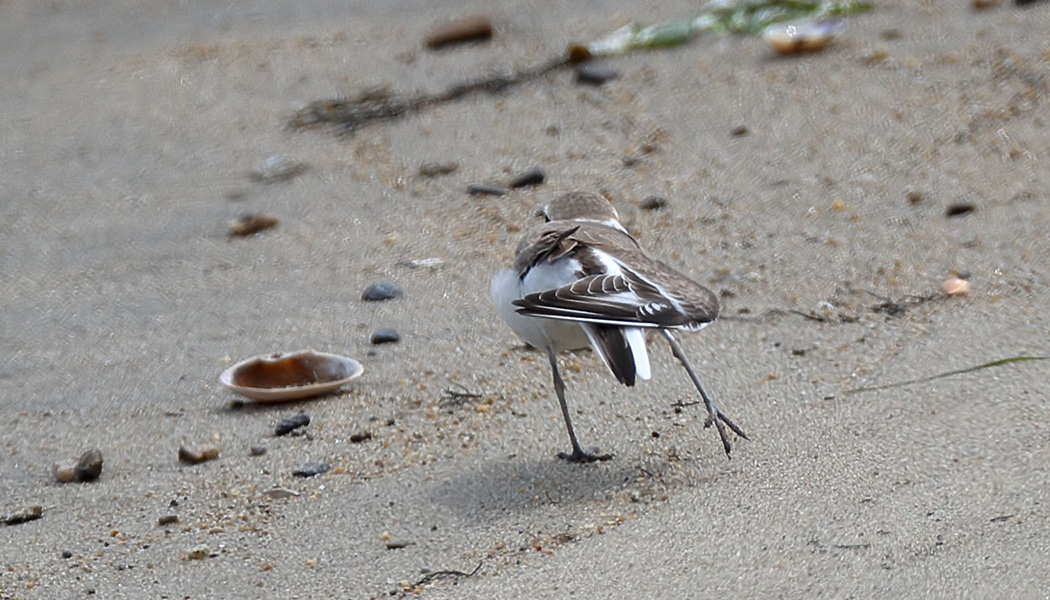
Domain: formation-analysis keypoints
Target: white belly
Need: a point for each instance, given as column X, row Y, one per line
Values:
column 538, row 332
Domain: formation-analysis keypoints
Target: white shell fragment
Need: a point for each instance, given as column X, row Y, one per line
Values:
column 280, row 376
column 798, row 37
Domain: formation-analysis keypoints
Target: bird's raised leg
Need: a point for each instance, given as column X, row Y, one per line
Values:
column 578, row 455
column 713, row 414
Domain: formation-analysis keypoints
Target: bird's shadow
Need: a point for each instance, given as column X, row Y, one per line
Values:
column 500, row 487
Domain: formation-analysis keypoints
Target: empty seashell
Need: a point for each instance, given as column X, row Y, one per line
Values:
column 290, row 376
column 798, row 37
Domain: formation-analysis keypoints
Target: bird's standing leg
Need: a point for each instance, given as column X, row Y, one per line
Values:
column 713, row 414
column 578, row 455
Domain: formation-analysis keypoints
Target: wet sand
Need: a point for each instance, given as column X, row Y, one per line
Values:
column 129, row 136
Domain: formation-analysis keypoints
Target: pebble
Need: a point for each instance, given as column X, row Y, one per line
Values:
column 257, row 450
column 479, row 189
column 797, row 37
column 197, row 453
column 279, row 493
column 286, row 426
column 955, row 286
column 533, row 176
column 246, row 225
column 739, row 130
column 64, row 470
column 469, row 29
column 89, row 467
column 914, row 195
column 959, row 209
column 385, row 336
column 593, row 73
column 198, row 552
column 434, row 169
column 361, row 436
column 311, row 469
column 168, row 520
column 277, row 168
column 381, row 290
column 23, row 515
column 67, row 554
column 654, row 203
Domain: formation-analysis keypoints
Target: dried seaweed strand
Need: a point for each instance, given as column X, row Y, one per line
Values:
column 749, row 17
column 994, row 363
column 442, row 574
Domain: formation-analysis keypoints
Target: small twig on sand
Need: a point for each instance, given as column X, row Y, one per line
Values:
column 458, row 396
column 994, row 363
column 443, row 574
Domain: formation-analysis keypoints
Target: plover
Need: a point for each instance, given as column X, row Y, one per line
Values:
column 580, row 279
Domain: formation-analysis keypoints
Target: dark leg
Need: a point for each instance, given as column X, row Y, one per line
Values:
column 713, row 414
column 578, row 455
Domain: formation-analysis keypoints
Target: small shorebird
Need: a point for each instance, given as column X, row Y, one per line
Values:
column 580, row 279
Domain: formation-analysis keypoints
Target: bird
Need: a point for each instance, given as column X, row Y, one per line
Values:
column 580, row 279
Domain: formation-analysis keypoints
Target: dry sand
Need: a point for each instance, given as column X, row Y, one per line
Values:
column 128, row 127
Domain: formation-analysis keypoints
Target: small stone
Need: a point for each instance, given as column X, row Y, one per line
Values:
column 67, row 554
column 257, row 450
column 277, row 168
column 360, row 436
column 434, row 169
column 286, row 426
column 64, row 470
column 280, row 493
column 197, row 453
column 198, row 552
column 654, row 203
column 955, row 286
column 23, row 515
column 397, row 545
column 533, row 176
column 168, row 520
column 381, row 290
column 89, row 467
column 479, row 189
column 470, row 29
column 959, row 209
column 311, row 469
column 385, row 336
column 739, row 131
column 593, row 73
column 246, row 225
column 914, row 195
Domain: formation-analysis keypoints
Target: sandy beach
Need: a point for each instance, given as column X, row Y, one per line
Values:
column 811, row 193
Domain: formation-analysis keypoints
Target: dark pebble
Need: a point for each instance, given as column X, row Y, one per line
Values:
column 433, row 169
column 533, row 176
column 654, row 203
column 957, row 210
column 89, row 467
column 67, row 554
column 738, row 131
column 385, row 336
column 592, row 73
column 257, row 450
column 470, row 29
column 285, row 426
column 168, row 520
column 381, row 290
column 360, row 436
column 479, row 189
column 311, row 469
column 246, row 225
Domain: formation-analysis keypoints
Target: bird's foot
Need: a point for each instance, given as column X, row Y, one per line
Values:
column 579, row 456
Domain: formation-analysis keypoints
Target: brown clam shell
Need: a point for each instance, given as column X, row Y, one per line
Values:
column 284, row 376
